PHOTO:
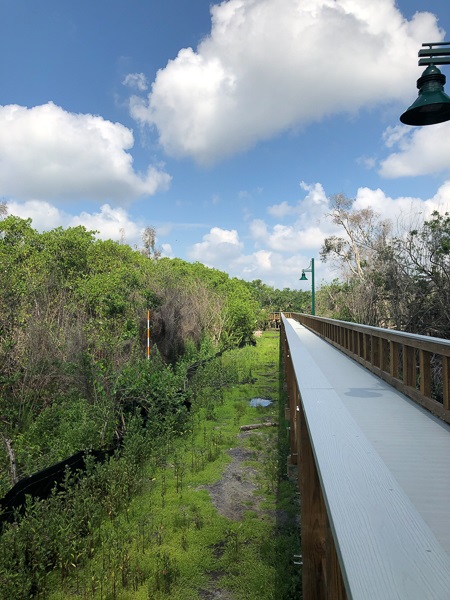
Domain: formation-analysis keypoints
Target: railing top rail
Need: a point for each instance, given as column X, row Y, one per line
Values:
column 385, row 548
column 392, row 334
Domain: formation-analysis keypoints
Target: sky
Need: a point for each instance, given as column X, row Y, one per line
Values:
column 226, row 126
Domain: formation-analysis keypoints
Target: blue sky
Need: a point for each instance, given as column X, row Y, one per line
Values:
column 225, row 126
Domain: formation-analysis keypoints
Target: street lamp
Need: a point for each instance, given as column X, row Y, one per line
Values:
column 310, row 269
column 433, row 105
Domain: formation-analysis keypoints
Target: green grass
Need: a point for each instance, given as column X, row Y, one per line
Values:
column 171, row 541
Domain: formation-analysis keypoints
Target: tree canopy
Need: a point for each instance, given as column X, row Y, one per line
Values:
column 73, row 334
column 399, row 280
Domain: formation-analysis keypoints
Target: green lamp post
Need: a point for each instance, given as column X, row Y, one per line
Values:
column 432, row 105
column 310, row 269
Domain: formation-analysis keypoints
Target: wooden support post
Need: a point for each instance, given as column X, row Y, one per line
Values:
column 335, row 583
column 314, row 521
column 425, row 373
column 297, row 417
column 291, row 394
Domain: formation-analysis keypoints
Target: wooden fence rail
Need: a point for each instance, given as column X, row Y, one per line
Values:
column 416, row 365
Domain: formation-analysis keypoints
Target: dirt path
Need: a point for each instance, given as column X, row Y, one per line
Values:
column 233, row 495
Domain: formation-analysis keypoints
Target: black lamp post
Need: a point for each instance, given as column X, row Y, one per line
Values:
column 433, row 105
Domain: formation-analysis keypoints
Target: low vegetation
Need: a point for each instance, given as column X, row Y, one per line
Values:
column 144, row 524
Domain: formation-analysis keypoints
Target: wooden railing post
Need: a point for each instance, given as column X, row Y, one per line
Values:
column 291, row 389
column 335, row 583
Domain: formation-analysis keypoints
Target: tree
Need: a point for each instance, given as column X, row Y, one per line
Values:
column 275, row 300
column 364, row 233
column 150, row 250
column 421, row 280
column 359, row 254
column 400, row 281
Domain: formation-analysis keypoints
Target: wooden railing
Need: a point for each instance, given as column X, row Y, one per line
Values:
column 362, row 537
column 416, row 365
column 274, row 319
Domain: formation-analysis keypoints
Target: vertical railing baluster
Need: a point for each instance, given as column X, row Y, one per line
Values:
column 425, row 373
column 384, row 355
column 446, row 381
column 365, row 346
column 409, row 366
column 393, row 359
column 374, row 351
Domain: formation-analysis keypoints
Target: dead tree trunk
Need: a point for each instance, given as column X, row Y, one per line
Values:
column 12, row 460
column 257, row 426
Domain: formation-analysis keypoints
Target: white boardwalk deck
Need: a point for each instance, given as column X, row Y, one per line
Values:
column 404, row 441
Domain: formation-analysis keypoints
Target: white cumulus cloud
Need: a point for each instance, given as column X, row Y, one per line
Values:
column 280, row 250
column 110, row 223
column 218, row 247
column 420, row 151
column 403, row 209
column 269, row 65
column 47, row 153
column 223, row 249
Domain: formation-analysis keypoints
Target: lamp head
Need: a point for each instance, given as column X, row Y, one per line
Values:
column 303, row 277
column 432, row 105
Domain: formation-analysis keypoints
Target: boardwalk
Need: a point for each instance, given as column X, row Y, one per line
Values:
column 408, row 448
